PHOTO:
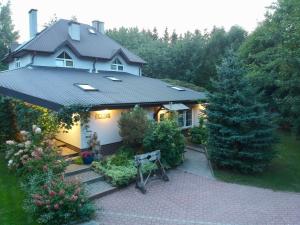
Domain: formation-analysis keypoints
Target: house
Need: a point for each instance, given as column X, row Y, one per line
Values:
column 71, row 63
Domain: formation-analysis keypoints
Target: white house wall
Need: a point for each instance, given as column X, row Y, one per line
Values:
column 72, row 137
column 107, row 129
column 49, row 60
column 24, row 61
column 106, row 66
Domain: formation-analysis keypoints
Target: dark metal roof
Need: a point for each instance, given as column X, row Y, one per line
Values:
column 54, row 88
column 90, row 45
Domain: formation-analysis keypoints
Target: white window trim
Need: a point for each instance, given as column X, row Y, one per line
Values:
column 184, row 118
column 64, row 61
column 116, row 65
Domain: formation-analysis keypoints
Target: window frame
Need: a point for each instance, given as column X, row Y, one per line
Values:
column 115, row 66
column 64, row 60
column 17, row 63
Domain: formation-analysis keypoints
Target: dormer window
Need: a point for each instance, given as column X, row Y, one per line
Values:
column 117, row 65
column 64, row 60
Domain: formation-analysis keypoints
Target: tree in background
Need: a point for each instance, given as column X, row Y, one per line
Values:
column 272, row 57
column 191, row 57
column 7, row 33
column 240, row 129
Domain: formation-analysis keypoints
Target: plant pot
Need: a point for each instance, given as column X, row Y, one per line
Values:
column 88, row 160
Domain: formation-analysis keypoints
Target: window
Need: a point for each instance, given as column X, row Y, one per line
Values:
column 117, row 65
column 92, row 31
column 17, row 63
column 86, row 87
column 114, row 79
column 64, row 60
column 184, row 118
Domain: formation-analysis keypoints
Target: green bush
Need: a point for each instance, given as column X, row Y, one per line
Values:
column 54, row 201
column 120, row 169
column 35, row 153
column 166, row 137
column 133, row 126
column 199, row 134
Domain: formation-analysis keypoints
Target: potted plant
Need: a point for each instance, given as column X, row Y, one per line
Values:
column 87, row 157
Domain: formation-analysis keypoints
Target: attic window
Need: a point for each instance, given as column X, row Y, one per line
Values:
column 177, row 88
column 117, row 65
column 114, row 79
column 91, row 31
column 64, row 60
column 86, row 87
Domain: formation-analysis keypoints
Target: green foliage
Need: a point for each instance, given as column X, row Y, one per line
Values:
column 184, row 84
column 199, row 134
column 28, row 114
column 78, row 161
column 73, row 114
column 7, row 120
column 7, row 33
column 120, row 168
column 271, row 55
column 191, row 57
column 133, row 126
column 52, row 200
column 240, row 129
column 166, row 137
column 35, row 153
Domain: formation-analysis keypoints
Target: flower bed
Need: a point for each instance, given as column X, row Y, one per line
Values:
column 119, row 169
column 49, row 198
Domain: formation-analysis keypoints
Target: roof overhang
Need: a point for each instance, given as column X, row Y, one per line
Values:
column 175, row 107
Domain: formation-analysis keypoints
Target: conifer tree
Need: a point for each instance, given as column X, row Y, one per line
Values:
column 240, row 129
column 7, row 33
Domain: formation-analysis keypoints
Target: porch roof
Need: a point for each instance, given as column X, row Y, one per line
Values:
column 54, row 88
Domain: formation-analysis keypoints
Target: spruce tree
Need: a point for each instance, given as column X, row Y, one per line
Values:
column 240, row 129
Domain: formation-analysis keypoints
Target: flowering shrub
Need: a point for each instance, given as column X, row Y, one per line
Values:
column 56, row 201
column 34, row 154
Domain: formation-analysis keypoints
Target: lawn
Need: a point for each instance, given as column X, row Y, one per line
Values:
column 283, row 174
column 11, row 199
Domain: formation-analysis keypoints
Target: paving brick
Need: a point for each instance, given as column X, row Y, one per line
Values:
column 191, row 199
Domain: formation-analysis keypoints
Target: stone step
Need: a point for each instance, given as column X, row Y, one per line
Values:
column 86, row 176
column 73, row 169
column 99, row 189
column 196, row 148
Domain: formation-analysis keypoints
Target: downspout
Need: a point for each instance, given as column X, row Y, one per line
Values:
column 94, row 65
column 32, row 59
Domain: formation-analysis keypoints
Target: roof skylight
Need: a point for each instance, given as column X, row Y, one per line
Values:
column 114, row 78
column 91, row 30
column 86, row 87
column 177, row 88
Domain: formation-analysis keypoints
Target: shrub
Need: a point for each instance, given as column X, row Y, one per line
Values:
column 33, row 154
column 133, row 126
column 52, row 200
column 199, row 134
column 166, row 137
column 120, row 169
column 7, row 120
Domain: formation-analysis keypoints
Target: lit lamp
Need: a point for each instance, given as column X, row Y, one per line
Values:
column 103, row 114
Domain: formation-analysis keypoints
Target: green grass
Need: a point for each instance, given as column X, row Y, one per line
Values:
column 283, row 174
column 11, row 199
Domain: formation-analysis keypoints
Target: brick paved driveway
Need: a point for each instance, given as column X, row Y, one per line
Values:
column 191, row 199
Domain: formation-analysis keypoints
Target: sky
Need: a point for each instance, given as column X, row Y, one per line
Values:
column 179, row 15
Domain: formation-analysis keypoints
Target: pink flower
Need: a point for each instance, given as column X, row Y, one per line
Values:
column 38, row 203
column 61, row 192
column 56, row 206
column 52, row 193
column 77, row 191
column 74, row 198
column 37, row 196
